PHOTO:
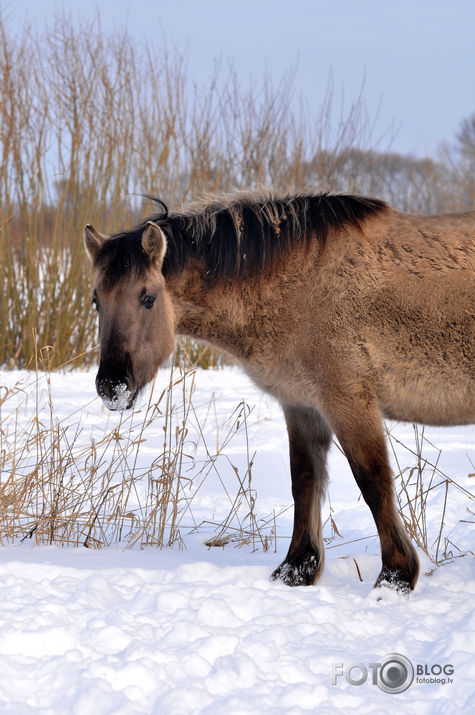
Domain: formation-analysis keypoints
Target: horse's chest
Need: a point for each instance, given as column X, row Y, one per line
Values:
column 288, row 383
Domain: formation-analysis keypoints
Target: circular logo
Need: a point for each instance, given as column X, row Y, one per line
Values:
column 395, row 674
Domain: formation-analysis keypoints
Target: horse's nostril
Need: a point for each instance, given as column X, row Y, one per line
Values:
column 115, row 394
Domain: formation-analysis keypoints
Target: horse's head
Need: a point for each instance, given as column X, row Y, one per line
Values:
column 136, row 322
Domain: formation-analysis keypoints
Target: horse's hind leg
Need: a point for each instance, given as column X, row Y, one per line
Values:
column 309, row 440
column 359, row 429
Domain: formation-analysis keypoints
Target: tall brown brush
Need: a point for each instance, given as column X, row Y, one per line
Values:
column 87, row 120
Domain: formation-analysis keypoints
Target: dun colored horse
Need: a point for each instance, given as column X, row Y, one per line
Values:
column 343, row 308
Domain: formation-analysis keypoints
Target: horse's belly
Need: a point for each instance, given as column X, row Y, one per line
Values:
column 428, row 398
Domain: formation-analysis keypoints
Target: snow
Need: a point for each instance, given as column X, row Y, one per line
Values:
column 120, row 399
column 204, row 630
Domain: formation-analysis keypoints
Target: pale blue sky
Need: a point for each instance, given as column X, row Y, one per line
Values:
column 417, row 56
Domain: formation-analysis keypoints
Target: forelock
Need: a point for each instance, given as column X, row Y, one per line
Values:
column 122, row 257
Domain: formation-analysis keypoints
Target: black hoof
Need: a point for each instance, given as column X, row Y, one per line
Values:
column 304, row 572
column 394, row 580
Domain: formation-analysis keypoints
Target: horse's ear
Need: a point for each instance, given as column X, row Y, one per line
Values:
column 154, row 243
column 93, row 241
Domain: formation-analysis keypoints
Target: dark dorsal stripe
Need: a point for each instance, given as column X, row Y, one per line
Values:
column 236, row 236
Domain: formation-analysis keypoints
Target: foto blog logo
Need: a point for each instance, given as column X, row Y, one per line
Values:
column 393, row 674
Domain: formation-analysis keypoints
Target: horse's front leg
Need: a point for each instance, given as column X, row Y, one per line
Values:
column 309, row 440
column 357, row 422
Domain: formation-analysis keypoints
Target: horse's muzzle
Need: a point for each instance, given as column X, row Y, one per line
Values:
column 115, row 394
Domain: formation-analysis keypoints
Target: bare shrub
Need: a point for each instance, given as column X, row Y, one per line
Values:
column 87, row 120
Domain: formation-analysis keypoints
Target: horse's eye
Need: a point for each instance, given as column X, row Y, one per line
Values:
column 148, row 300
column 95, row 302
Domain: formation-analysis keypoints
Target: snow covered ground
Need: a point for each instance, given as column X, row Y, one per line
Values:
column 199, row 630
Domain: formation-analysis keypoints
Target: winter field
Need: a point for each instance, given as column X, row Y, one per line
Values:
column 126, row 627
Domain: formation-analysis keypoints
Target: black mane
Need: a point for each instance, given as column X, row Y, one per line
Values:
column 239, row 235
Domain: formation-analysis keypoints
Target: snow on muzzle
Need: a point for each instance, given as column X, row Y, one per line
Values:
column 115, row 394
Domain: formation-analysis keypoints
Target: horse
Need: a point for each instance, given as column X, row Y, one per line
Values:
column 341, row 307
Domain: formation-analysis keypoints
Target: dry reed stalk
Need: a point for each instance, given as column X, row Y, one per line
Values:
column 56, row 486
column 419, row 489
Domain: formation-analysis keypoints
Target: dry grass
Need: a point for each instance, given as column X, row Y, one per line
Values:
column 423, row 499
column 423, row 490
column 61, row 488
column 241, row 526
column 63, row 482
column 138, row 482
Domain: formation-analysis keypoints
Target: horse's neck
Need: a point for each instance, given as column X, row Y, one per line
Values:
column 221, row 315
